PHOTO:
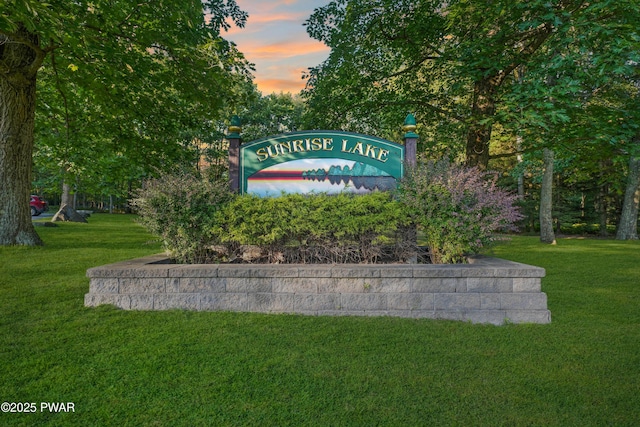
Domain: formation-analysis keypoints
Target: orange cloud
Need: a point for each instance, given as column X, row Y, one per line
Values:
column 275, row 40
column 281, row 78
column 285, row 49
column 267, row 86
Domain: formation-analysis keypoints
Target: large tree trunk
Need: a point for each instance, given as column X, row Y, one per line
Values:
column 603, row 198
column 18, row 69
column 520, row 159
column 546, row 200
column 479, row 133
column 628, row 225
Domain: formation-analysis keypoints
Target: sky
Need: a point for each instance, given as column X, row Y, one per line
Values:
column 276, row 42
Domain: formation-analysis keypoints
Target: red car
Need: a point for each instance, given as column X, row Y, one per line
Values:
column 38, row 205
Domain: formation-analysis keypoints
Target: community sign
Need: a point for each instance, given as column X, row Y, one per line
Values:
column 320, row 162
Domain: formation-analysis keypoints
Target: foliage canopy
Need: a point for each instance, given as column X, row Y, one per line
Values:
column 128, row 82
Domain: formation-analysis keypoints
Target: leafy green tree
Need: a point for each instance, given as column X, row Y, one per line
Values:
column 579, row 97
column 457, row 64
column 272, row 115
column 128, row 61
column 448, row 61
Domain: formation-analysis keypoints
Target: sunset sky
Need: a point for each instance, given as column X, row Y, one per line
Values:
column 277, row 43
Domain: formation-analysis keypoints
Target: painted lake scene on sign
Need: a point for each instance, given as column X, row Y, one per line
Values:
column 320, row 162
column 329, row 176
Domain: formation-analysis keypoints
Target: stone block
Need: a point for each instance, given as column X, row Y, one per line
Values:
column 392, row 285
column 314, row 271
column 490, row 301
column 520, row 271
column 529, row 284
column 348, row 285
column 350, row 270
column 133, row 270
column 235, row 270
column 524, row 301
column 436, row 271
column 315, row 302
column 224, row 302
column 103, row 285
column 470, row 271
column 358, row 302
column 439, row 285
column 250, row 284
column 403, row 271
column 204, row 270
column 457, row 301
column 202, row 284
column 304, row 285
column 141, row 302
column 271, row 303
column 142, row 285
column 486, row 284
column 280, row 270
column 176, row 301
column 172, row 285
column 403, row 301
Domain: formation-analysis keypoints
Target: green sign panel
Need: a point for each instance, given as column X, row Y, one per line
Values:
column 319, row 161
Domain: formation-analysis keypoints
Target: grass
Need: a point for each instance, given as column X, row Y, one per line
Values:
column 174, row 368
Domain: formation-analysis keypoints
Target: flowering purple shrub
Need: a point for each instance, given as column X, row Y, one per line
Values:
column 458, row 208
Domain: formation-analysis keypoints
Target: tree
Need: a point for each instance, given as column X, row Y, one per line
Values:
column 628, row 225
column 451, row 62
column 17, row 113
column 586, row 82
column 546, row 220
column 125, row 59
column 272, row 115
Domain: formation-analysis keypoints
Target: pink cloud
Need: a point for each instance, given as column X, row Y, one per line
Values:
column 281, row 77
column 259, row 22
column 284, row 49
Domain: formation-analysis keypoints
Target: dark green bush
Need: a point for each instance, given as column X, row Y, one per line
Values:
column 316, row 228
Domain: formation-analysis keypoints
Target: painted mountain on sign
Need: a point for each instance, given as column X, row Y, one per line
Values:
column 360, row 175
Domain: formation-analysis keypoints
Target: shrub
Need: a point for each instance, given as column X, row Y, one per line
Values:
column 316, row 228
column 183, row 210
column 457, row 208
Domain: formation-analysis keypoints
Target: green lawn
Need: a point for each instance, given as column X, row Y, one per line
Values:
column 173, row 368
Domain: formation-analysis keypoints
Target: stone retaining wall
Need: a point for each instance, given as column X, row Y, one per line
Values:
column 487, row 290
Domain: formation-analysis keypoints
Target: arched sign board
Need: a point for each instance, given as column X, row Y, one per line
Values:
column 319, row 161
